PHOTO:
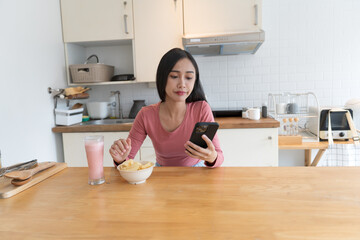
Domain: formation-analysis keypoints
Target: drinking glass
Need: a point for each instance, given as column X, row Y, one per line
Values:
column 94, row 147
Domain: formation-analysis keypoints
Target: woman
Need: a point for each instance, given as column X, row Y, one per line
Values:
column 170, row 122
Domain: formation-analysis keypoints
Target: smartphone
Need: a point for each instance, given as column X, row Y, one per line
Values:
column 207, row 128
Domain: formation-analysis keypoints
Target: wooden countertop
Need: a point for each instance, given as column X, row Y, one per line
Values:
column 224, row 122
column 305, row 145
column 281, row 203
column 313, row 145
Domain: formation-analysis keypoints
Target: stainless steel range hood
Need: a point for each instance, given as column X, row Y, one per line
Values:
column 226, row 44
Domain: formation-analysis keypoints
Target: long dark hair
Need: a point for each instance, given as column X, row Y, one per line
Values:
column 167, row 63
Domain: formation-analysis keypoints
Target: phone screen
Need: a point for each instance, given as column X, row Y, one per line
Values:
column 207, row 128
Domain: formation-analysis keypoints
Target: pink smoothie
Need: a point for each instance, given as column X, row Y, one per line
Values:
column 95, row 153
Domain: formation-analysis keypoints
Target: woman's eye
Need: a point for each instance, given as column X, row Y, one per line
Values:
column 189, row 78
column 173, row 76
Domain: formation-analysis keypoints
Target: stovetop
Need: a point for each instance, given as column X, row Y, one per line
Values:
column 227, row 113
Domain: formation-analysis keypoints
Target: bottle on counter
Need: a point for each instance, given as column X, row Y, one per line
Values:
column 291, row 127
column 284, row 127
column 264, row 110
column 112, row 106
column 296, row 126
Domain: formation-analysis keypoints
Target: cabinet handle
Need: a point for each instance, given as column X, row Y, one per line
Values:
column 256, row 14
column 269, row 137
column 125, row 22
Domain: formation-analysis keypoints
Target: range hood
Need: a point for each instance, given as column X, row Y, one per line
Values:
column 224, row 44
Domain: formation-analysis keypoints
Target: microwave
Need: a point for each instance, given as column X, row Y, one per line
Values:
column 339, row 124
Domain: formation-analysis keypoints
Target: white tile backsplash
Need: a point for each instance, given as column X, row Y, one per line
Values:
column 309, row 46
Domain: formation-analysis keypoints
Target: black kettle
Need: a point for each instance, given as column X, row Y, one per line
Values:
column 138, row 104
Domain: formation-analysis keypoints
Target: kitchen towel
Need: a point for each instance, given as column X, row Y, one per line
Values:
column 341, row 154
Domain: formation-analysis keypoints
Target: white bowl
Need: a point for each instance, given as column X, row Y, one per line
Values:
column 138, row 176
column 98, row 110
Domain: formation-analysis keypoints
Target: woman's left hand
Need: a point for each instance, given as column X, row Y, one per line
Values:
column 208, row 154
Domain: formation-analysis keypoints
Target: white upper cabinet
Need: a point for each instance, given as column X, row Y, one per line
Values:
column 158, row 28
column 96, row 20
column 206, row 17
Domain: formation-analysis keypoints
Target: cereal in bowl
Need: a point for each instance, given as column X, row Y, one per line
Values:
column 131, row 165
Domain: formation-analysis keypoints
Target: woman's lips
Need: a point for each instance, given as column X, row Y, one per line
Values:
column 180, row 93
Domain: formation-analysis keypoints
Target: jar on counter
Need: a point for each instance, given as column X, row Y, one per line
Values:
column 244, row 114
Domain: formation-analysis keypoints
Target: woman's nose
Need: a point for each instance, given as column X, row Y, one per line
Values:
column 181, row 82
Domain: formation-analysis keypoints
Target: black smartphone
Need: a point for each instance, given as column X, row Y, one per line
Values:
column 207, row 128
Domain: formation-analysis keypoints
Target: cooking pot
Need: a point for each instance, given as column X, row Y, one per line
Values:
column 98, row 110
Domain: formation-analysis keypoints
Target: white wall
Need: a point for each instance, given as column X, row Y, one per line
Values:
column 309, row 46
column 32, row 59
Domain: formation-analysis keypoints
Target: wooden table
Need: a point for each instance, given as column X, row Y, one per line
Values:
column 282, row 203
column 308, row 146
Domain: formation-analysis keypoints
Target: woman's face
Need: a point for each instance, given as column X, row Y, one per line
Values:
column 180, row 81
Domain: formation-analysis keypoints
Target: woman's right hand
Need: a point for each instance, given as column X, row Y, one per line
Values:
column 120, row 150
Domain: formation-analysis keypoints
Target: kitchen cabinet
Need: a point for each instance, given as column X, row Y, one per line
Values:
column 249, row 147
column 241, row 147
column 206, row 17
column 115, row 53
column 75, row 155
column 100, row 27
column 158, row 28
column 96, row 20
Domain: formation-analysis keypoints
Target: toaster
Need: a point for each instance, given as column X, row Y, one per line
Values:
column 339, row 124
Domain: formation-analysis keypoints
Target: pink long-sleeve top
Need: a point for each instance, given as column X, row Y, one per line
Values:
column 169, row 146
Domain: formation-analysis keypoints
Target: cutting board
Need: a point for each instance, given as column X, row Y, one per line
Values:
column 8, row 190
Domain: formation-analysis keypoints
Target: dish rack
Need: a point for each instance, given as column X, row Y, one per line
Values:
column 300, row 121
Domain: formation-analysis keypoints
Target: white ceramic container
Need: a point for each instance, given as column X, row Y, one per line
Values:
column 68, row 117
column 98, row 110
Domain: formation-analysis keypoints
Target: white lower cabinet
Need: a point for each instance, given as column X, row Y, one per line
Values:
column 74, row 148
column 241, row 147
column 249, row 147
